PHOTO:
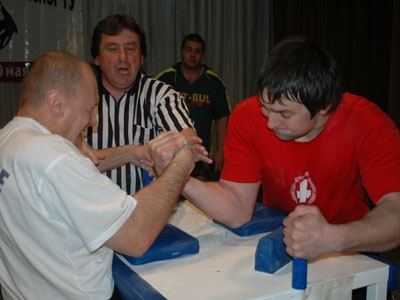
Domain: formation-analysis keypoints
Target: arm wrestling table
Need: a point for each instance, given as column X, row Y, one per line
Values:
column 224, row 267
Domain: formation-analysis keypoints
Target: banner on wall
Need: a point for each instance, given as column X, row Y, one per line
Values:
column 28, row 28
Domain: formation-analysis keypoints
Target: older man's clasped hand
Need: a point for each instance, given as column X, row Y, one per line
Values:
column 170, row 146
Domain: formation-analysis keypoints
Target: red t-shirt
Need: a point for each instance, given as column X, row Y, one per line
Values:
column 355, row 158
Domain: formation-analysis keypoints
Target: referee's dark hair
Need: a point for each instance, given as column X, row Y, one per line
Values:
column 113, row 25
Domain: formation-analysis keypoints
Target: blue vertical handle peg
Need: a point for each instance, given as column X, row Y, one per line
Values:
column 299, row 274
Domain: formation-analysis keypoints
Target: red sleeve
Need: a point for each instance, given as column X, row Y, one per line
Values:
column 241, row 161
column 379, row 155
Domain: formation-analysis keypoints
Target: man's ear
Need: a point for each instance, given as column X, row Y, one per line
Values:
column 325, row 111
column 55, row 103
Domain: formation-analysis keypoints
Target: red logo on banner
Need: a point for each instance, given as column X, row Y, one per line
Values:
column 13, row 71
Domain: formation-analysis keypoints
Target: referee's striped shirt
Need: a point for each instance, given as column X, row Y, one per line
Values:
column 147, row 109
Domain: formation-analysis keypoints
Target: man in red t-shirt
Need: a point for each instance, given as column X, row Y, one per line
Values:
column 329, row 157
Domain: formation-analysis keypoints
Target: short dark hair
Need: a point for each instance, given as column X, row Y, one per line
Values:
column 113, row 25
column 194, row 38
column 303, row 72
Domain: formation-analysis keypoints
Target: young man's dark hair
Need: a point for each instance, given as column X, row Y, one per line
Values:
column 313, row 80
column 194, row 38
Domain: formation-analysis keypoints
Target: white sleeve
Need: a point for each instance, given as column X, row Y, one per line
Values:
column 86, row 200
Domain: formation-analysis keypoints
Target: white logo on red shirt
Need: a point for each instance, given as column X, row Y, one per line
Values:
column 303, row 190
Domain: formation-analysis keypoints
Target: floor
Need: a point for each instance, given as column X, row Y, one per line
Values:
column 393, row 255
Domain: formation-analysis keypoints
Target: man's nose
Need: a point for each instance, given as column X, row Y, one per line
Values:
column 93, row 120
column 122, row 53
column 273, row 120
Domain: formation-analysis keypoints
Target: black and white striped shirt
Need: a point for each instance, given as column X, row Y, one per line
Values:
column 147, row 109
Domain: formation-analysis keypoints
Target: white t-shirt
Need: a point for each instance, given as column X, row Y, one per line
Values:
column 56, row 212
